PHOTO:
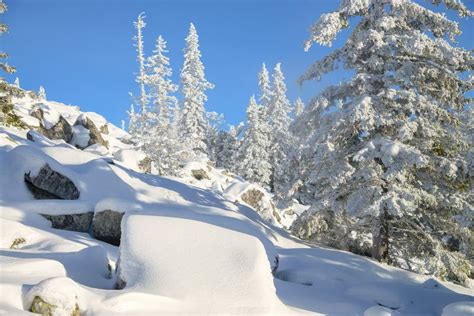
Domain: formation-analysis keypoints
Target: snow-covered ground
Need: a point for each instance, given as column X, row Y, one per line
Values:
column 188, row 245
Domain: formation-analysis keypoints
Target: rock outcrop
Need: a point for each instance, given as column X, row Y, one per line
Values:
column 200, row 174
column 61, row 130
column 94, row 135
column 49, row 184
column 75, row 222
column 106, row 226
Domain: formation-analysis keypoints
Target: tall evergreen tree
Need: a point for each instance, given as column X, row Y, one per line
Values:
column 252, row 159
column 193, row 122
column 161, row 86
column 160, row 142
column 279, row 114
column 7, row 115
column 298, row 107
column 385, row 156
column 41, row 94
column 141, row 77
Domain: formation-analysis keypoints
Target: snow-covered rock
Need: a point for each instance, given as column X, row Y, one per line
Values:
column 50, row 184
column 169, row 256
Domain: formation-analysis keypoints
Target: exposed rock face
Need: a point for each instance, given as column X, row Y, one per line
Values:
column 76, row 222
column 199, row 174
column 61, row 130
column 145, row 165
column 106, row 226
column 94, row 135
column 49, row 184
column 40, row 306
column 253, row 197
column 104, row 129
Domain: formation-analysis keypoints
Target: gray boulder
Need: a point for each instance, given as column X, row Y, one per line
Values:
column 94, row 134
column 199, row 174
column 106, row 226
column 49, row 184
column 145, row 165
column 75, row 222
column 61, row 130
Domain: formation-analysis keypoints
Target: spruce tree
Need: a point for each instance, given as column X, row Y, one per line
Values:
column 385, row 155
column 279, row 115
column 41, row 94
column 141, row 77
column 7, row 115
column 193, row 123
column 253, row 161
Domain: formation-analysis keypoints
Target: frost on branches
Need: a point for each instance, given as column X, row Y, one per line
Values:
column 386, row 158
column 279, row 114
column 193, row 123
column 253, row 160
column 160, row 143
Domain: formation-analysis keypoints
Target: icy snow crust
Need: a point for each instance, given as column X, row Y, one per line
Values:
column 188, row 246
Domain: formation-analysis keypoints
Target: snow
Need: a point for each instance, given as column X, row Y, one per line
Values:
column 80, row 136
column 170, row 257
column 459, row 309
column 187, row 245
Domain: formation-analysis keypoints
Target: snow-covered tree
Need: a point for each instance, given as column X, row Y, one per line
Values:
column 16, row 83
column 41, row 94
column 215, row 121
column 265, row 88
column 384, row 157
column 141, row 77
column 161, row 144
column 279, row 115
column 132, row 121
column 298, row 107
column 226, row 147
column 160, row 84
column 252, row 159
column 7, row 115
column 193, row 124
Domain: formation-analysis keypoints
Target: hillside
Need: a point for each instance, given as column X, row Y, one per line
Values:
column 94, row 231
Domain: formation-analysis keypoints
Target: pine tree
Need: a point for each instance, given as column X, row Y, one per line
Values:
column 160, row 142
column 161, row 86
column 132, row 121
column 226, row 147
column 252, row 159
column 193, row 123
column 141, row 77
column 386, row 156
column 7, row 115
column 298, row 107
column 41, row 94
column 279, row 114
column 265, row 88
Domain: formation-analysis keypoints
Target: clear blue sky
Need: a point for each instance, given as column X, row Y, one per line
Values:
column 81, row 50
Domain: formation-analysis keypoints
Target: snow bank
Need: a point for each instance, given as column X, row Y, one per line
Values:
column 211, row 268
column 459, row 309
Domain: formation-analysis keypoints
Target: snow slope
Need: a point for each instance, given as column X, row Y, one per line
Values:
column 187, row 247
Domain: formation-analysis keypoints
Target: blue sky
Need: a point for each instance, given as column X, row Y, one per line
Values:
column 82, row 52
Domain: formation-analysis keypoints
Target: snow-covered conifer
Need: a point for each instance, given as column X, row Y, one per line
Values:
column 141, row 77
column 193, row 123
column 160, row 84
column 41, row 94
column 279, row 114
column 16, row 83
column 253, row 161
column 385, row 156
column 298, row 107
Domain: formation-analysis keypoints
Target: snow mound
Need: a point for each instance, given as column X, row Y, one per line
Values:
column 170, row 257
column 459, row 309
